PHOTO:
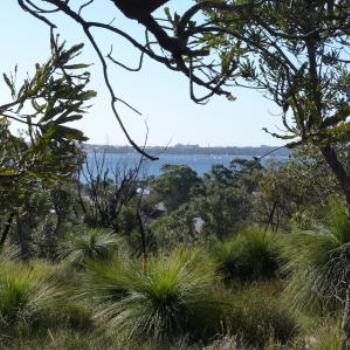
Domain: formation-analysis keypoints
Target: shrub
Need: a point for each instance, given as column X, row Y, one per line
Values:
column 89, row 244
column 107, row 281
column 25, row 292
column 258, row 315
column 251, row 255
column 31, row 301
column 317, row 262
column 172, row 299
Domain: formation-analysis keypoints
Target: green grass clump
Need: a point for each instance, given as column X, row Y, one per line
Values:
column 249, row 256
column 317, row 262
column 31, row 302
column 25, row 293
column 259, row 316
column 173, row 298
column 87, row 245
column 327, row 339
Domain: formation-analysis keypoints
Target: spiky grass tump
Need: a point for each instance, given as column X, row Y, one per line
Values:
column 249, row 256
column 172, row 299
column 317, row 261
column 89, row 244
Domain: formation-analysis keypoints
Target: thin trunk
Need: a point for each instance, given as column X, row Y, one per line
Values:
column 143, row 241
column 80, row 197
column 343, row 178
column 277, row 220
column 339, row 171
column 271, row 215
column 345, row 325
column 22, row 232
column 59, row 225
column 6, row 231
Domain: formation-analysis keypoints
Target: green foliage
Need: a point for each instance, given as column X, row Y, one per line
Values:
column 327, row 337
column 46, row 150
column 296, row 189
column 33, row 301
column 259, row 315
column 54, row 96
column 307, row 75
column 95, row 244
column 250, row 255
column 318, row 260
column 173, row 298
column 25, row 295
column 223, row 209
column 176, row 300
column 226, row 203
column 174, row 185
column 176, row 228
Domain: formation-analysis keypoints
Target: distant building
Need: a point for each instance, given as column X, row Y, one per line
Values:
column 198, row 223
column 145, row 191
column 161, row 207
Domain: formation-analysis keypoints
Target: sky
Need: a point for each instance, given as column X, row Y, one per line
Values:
column 160, row 94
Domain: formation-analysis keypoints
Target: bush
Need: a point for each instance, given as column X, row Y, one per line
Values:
column 317, row 262
column 32, row 302
column 87, row 245
column 258, row 316
column 25, row 292
column 172, row 299
column 251, row 255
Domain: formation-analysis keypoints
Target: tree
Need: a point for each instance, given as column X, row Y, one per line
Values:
column 47, row 150
column 176, row 228
column 295, row 191
column 175, row 185
column 109, row 190
column 294, row 52
column 226, row 202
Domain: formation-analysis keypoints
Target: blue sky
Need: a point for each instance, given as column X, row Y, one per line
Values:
column 161, row 95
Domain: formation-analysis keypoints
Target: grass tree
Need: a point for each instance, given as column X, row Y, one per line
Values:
column 173, row 299
column 95, row 244
column 319, row 266
column 250, row 255
column 26, row 294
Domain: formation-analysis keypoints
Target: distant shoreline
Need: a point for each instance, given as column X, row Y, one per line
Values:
column 193, row 149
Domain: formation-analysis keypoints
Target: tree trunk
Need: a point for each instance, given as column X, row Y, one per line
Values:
column 6, row 231
column 22, row 234
column 271, row 215
column 339, row 171
column 345, row 325
column 343, row 178
column 143, row 240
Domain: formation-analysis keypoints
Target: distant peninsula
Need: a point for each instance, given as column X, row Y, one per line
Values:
column 194, row 149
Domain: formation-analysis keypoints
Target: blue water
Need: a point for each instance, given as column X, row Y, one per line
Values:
column 201, row 163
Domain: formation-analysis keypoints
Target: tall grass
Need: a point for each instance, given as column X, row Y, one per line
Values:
column 249, row 256
column 174, row 298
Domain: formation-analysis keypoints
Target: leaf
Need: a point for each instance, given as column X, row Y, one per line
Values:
column 68, row 119
column 76, row 66
column 10, row 84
